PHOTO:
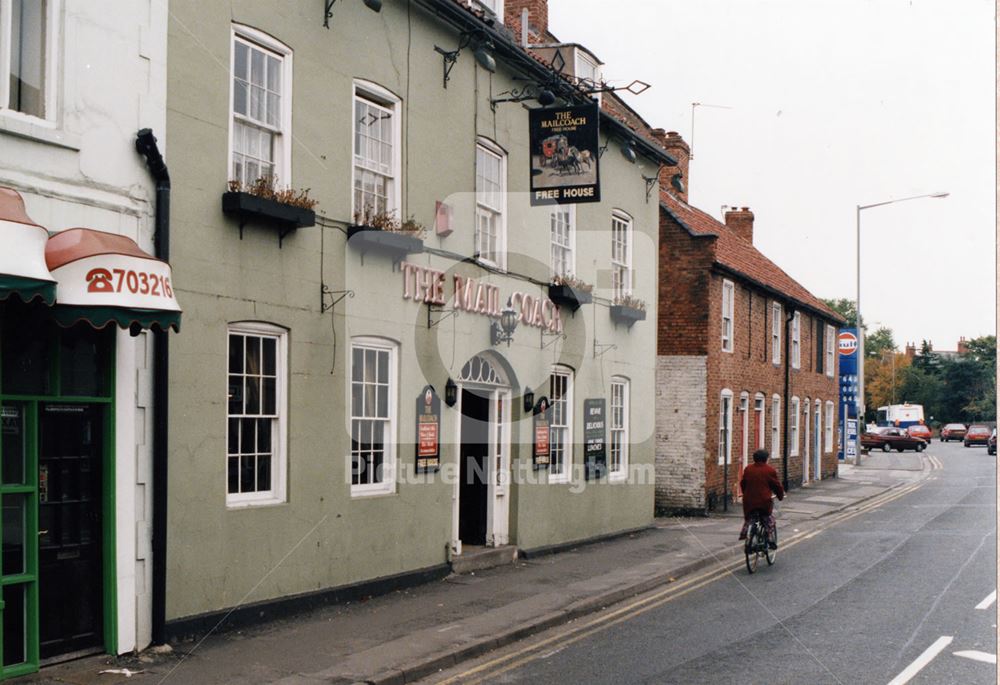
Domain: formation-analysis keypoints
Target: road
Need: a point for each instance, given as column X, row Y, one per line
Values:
column 887, row 593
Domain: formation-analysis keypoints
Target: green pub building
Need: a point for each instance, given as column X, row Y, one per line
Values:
column 437, row 361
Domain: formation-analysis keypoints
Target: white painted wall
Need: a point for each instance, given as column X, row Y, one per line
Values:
column 80, row 168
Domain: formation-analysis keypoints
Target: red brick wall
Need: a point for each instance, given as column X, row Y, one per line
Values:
column 690, row 323
column 685, row 273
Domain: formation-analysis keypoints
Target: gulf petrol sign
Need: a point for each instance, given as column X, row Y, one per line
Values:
column 847, row 343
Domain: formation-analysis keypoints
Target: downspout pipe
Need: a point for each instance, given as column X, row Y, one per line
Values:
column 145, row 145
column 788, row 402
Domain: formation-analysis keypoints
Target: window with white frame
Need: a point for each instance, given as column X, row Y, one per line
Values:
column 830, row 354
column 373, row 415
column 726, row 427
column 618, row 468
column 818, row 437
column 775, row 425
column 260, row 121
column 796, row 340
column 621, row 255
column 256, row 416
column 562, row 229
column 793, row 428
column 494, row 6
column 776, row 324
column 728, row 295
column 828, row 428
column 491, row 203
column 586, row 68
column 561, row 426
column 377, row 155
column 758, row 421
column 28, row 53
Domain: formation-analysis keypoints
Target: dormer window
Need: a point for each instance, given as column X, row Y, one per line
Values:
column 586, row 69
column 493, row 6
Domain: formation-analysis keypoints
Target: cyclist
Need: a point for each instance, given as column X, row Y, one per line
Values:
column 759, row 481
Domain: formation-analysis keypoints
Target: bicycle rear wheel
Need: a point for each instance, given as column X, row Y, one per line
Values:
column 752, row 546
column 769, row 553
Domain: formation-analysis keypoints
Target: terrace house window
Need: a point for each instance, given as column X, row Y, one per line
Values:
column 260, row 118
column 621, row 255
column 618, row 467
column 561, row 428
column 27, row 56
column 373, row 416
column 728, row 293
column 562, row 229
column 796, row 340
column 491, row 204
column 776, row 324
column 830, row 354
column 256, row 432
column 376, row 152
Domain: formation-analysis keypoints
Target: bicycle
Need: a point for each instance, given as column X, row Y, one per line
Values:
column 756, row 544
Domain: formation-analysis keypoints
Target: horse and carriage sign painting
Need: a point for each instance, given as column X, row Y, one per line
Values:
column 564, row 152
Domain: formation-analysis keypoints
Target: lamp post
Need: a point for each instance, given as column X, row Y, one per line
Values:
column 861, row 329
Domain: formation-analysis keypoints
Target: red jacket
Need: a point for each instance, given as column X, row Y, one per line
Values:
column 759, row 481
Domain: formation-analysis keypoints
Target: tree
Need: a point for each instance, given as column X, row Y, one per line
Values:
column 879, row 342
column 846, row 308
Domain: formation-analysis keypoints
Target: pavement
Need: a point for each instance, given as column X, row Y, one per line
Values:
column 407, row 635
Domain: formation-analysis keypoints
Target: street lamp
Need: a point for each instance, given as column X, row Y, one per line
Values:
column 861, row 329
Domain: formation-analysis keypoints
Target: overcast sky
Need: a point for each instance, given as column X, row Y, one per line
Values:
column 834, row 104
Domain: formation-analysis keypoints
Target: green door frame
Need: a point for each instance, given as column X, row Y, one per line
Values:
column 30, row 488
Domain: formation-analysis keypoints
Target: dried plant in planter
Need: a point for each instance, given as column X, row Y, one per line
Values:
column 387, row 221
column 573, row 282
column 268, row 189
column 630, row 302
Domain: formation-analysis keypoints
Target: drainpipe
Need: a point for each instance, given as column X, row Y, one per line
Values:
column 787, row 400
column 145, row 145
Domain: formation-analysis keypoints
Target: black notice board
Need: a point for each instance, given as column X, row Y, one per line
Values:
column 595, row 446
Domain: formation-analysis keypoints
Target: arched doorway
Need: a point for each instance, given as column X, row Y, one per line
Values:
column 481, row 512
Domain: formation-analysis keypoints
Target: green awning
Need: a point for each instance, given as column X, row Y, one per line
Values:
column 27, row 288
column 129, row 319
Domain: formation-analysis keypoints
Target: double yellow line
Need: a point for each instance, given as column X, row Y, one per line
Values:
column 519, row 657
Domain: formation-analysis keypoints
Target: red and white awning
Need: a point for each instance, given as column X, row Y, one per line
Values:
column 22, row 252
column 103, row 277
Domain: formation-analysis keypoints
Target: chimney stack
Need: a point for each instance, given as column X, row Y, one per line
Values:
column 911, row 350
column 538, row 18
column 962, row 347
column 674, row 178
column 740, row 222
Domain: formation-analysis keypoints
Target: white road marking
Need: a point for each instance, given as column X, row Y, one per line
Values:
column 990, row 598
column 447, row 628
column 977, row 656
column 922, row 660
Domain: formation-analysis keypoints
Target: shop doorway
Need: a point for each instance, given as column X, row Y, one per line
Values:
column 70, row 568
column 481, row 512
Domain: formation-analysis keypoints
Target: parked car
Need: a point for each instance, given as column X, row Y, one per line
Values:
column 921, row 431
column 977, row 435
column 888, row 438
column 991, row 446
column 952, row 431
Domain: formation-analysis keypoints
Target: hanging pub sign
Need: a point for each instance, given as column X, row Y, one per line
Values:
column 595, row 451
column 428, row 430
column 564, row 154
column 540, row 455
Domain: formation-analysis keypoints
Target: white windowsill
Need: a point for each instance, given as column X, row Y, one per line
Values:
column 39, row 130
column 371, row 493
column 254, row 503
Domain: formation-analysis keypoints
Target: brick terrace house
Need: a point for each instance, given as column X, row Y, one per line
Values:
column 746, row 356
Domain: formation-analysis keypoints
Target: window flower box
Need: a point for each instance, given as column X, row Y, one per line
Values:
column 569, row 297
column 247, row 207
column 393, row 243
column 627, row 314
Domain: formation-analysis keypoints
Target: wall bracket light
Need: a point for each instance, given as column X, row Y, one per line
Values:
column 503, row 330
column 373, row 5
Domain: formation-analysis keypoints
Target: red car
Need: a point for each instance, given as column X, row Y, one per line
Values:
column 920, row 431
column 952, row 431
column 977, row 435
column 888, row 438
